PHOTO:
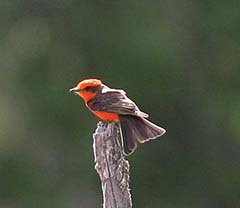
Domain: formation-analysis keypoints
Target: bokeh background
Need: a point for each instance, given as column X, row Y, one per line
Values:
column 179, row 60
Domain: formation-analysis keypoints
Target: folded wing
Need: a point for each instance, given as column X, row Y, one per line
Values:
column 116, row 101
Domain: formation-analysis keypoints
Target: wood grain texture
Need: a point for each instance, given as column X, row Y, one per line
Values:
column 111, row 166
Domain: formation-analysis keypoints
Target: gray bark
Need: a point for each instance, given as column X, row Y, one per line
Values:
column 111, row 166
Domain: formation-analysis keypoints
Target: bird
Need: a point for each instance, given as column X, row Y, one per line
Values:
column 113, row 105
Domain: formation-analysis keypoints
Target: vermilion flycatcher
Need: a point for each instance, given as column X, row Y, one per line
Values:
column 112, row 105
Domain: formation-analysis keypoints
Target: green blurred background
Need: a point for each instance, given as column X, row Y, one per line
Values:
column 179, row 60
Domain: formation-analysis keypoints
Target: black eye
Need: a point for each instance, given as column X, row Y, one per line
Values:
column 92, row 88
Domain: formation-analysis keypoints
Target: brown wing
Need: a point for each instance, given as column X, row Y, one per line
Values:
column 115, row 101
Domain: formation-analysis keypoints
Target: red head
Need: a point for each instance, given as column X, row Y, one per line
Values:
column 87, row 88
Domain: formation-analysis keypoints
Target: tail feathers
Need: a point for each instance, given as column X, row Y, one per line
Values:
column 137, row 129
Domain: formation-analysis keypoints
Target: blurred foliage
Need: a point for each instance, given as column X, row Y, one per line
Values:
column 179, row 60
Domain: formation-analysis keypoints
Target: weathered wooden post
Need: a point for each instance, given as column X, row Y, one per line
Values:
column 111, row 166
